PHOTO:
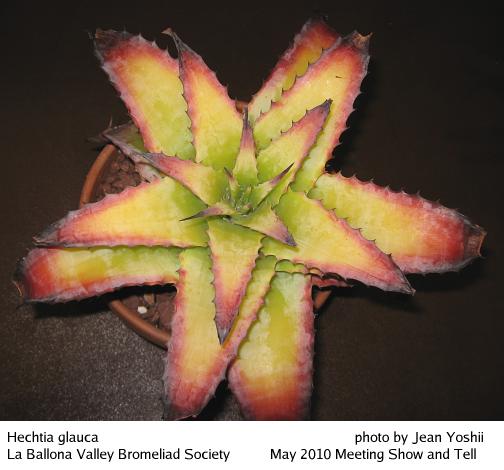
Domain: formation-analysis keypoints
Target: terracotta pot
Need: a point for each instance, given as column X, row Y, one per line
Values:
column 132, row 318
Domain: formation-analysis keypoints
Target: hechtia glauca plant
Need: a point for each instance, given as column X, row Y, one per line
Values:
column 238, row 212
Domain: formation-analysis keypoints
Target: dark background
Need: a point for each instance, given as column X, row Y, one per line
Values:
column 430, row 118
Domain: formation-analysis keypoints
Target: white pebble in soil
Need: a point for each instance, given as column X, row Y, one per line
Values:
column 142, row 310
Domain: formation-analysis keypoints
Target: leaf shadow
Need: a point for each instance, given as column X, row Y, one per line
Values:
column 429, row 283
column 95, row 304
column 69, row 309
column 349, row 138
column 223, row 406
column 451, row 281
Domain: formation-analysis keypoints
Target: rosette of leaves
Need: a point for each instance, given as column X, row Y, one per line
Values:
column 238, row 212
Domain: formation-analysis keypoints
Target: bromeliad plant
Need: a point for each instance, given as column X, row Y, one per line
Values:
column 238, row 212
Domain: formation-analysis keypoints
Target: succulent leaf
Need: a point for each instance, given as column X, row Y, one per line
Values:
column 327, row 281
column 272, row 375
column 203, row 181
column 292, row 145
column 194, row 349
column 422, row 236
column 128, row 140
column 262, row 190
column 188, row 393
column 63, row 274
column 245, row 168
column 234, row 187
column 287, row 152
column 149, row 214
column 264, row 220
column 229, row 243
column 252, row 302
column 215, row 123
column 337, row 76
column 319, row 279
column 286, row 266
column 218, row 209
column 308, row 45
column 147, row 79
column 331, row 245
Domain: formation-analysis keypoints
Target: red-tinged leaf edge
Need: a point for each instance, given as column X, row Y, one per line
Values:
column 467, row 241
column 288, row 404
column 36, row 284
column 314, row 26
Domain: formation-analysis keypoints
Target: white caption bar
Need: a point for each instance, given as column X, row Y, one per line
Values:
column 259, row 445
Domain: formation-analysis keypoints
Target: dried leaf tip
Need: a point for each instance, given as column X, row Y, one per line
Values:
column 181, row 45
column 17, row 280
column 106, row 40
column 359, row 41
column 474, row 239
